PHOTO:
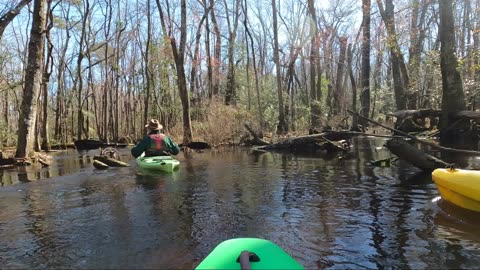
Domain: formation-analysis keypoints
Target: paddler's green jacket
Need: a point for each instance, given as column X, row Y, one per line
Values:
column 160, row 147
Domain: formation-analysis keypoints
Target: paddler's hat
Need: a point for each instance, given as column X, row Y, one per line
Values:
column 154, row 125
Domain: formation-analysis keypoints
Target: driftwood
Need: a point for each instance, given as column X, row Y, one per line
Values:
column 433, row 145
column 311, row 143
column 43, row 159
column 100, row 165
column 415, row 156
column 110, row 161
column 256, row 139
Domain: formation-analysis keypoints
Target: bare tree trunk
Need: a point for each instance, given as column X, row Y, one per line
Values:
column 60, row 106
column 399, row 70
column 207, row 49
column 230, row 92
column 179, row 57
column 365, row 71
column 107, row 112
column 289, row 82
column 216, row 53
column 5, row 109
column 376, row 75
column 354, row 86
column 79, row 80
column 47, row 71
column 257, row 88
column 453, row 97
column 417, row 36
column 148, row 72
column 314, row 52
column 315, row 84
column 33, row 79
column 119, row 31
column 249, row 92
column 337, row 106
column 282, row 127
column 193, row 72
column 10, row 15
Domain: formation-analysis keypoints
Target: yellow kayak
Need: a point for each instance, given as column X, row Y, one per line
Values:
column 460, row 187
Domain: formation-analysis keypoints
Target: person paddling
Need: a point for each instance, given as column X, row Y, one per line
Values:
column 155, row 143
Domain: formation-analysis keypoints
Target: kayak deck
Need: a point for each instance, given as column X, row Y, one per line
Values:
column 271, row 256
column 460, row 187
column 161, row 163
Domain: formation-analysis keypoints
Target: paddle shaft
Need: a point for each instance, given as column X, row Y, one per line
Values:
column 245, row 260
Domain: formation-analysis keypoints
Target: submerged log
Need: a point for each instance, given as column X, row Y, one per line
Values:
column 110, row 161
column 415, row 156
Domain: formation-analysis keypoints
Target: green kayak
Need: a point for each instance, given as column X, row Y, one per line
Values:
column 262, row 254
column 161, row 163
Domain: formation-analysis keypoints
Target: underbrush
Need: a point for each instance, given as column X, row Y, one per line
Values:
column 219, row 124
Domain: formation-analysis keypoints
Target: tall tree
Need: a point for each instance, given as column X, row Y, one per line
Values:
column 365, row 71
column 47, row 71
column 314, row 53
column 257, row 88
column 178, row 51
column 399, row 70
column 195, row 60
column 354, row 87
column 417, row 36
column 207, row 48
column 148, row 69
column 217, row 51
column 230, row 92
column 282, row 127
column 79, row 79
column 337, row 96
column 33, row 80
column 453, row 98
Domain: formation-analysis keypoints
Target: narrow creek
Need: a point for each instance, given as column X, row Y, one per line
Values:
column 327, row 212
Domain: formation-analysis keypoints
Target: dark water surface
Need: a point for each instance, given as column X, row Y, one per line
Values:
column 326, row 211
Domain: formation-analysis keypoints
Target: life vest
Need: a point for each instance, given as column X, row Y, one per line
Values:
column 157, row 142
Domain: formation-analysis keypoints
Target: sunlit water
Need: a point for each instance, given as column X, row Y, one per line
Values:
column 325, row 211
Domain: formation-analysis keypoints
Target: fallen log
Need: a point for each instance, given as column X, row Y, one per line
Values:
column 256, row 139
column 100, row 165
column 436, row 146
column 311, row 143
column 110, row 161
column 415, row 156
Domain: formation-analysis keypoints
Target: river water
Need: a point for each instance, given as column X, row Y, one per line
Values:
column 327, row 212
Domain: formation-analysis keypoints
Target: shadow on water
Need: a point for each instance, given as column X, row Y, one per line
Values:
column 326, row 211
